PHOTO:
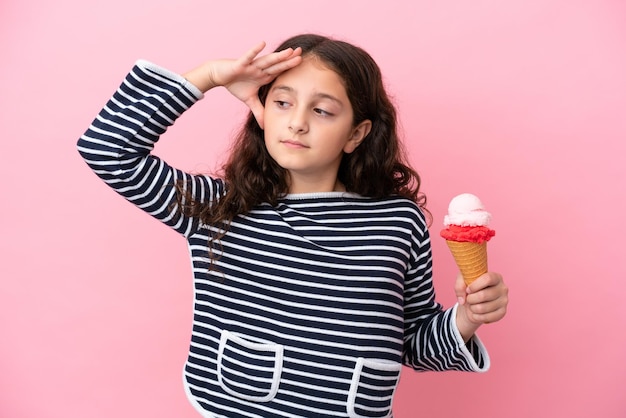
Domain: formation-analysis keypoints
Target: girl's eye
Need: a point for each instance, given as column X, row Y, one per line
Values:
column 281, row 104
column 322, row 112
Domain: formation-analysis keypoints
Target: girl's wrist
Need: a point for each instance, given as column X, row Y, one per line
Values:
column 466, row 328
column 201, row 77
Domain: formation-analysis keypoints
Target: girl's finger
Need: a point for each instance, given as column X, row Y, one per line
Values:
column 487, row 307
column 286, row 55
column 491, row 316
column 249, row 56
column 282, row 66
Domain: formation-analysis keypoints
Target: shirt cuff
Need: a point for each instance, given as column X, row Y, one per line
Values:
column 147, row 65
column 473, row 351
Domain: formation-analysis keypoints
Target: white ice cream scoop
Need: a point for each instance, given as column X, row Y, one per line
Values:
column 466, row 210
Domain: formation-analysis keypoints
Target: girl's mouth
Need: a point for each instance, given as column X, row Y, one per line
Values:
column 290, row 143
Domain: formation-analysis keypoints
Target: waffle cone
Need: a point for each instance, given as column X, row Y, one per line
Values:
column 470, row 257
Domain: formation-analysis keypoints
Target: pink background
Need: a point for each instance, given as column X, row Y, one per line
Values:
column 521, row 102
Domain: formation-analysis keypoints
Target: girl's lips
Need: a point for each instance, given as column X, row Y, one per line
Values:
column 293, row 144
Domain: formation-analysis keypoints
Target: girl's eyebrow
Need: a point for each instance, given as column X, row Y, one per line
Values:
column 319, row 95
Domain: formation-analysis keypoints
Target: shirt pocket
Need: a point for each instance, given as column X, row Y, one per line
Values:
column 373, row 385
column 249, row 370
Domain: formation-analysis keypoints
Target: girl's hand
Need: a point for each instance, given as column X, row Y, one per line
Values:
column 482, row 302
column 243, row 76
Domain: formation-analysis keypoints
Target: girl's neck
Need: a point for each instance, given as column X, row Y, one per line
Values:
column 301, row 186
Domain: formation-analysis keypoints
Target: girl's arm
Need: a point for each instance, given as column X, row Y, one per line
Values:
column 118, row 144
column 432, row 340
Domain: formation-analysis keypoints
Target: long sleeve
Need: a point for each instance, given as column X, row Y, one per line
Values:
column 118, row 144
column 432, row 340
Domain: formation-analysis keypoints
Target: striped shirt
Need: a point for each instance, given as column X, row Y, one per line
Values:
column 312, row 306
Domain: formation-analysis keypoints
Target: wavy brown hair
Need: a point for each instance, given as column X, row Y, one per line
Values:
column 377, row 168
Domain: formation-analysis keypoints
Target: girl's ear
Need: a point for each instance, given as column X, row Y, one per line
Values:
column 359, row 133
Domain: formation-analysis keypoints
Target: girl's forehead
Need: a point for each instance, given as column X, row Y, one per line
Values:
column 310, row 74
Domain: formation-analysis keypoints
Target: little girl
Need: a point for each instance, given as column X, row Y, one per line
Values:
column 311, row 255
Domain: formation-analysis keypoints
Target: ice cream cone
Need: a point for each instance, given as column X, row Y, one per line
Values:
column 470, row 257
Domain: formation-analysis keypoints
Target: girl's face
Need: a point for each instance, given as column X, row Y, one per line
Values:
column 308, row 126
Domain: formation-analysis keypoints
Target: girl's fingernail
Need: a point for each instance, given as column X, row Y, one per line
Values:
column 461, row 300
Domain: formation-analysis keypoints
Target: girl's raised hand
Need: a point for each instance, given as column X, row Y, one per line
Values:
column 243, row 76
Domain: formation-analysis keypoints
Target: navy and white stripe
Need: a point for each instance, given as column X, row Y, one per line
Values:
column 315, row 303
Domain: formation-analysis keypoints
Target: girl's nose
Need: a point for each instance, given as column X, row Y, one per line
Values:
column 298, row 123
